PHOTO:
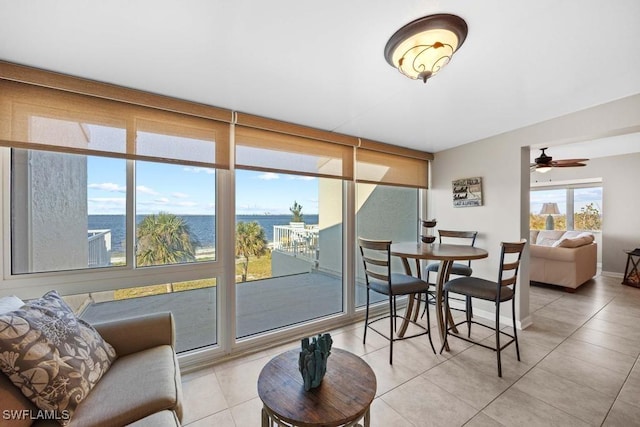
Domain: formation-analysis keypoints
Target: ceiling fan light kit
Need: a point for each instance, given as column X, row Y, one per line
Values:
column 420, row 49
column 545, row 163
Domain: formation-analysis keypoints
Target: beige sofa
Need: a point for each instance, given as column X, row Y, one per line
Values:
column 141, row 388
column 562, row 258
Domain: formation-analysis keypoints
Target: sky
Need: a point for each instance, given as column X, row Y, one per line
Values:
column 187, row 190
column 184, row 190
column 581, row 198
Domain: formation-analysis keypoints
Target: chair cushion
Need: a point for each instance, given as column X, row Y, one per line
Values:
column 136, row 386
column 163, row 418
column 402, row 284
column 478, row 288
column 457, row 268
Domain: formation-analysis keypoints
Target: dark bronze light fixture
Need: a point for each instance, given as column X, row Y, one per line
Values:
column 421, row 48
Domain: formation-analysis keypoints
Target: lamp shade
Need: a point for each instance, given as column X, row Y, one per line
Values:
column 421, row 48
column 549, row 209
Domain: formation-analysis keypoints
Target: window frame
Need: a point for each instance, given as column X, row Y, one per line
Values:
column 95, row 279
column 223, row 268
column 569, row 187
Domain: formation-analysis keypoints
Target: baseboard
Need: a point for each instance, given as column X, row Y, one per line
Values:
column 612, row 274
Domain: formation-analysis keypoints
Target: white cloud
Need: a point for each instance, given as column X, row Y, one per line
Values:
column 108, row 200
column 199, row 170
column 162, row 200
column 268, row 176
column 106, row 205
column 109, row 186
column 301, row 177
column 146, row 190
column 180, row 195
column 186, row 204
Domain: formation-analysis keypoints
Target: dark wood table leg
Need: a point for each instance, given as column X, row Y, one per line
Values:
column 443, row 275
column 413, row 302
column 416, row 309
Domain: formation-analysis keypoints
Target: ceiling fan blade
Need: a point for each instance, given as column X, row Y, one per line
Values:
column 561, row 161
column 545, row 161
column 566, row 164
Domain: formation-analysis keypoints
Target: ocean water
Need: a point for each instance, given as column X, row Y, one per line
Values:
column 202, row 226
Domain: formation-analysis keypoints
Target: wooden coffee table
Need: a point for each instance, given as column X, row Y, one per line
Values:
column 342, row 399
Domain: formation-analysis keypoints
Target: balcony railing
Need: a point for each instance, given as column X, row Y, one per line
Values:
column 99, row 248
column 298, row 241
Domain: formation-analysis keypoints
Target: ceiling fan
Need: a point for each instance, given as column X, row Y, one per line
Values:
column 544, row 163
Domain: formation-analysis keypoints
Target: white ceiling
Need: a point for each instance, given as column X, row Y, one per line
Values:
column 321, row 64
column 603, row 147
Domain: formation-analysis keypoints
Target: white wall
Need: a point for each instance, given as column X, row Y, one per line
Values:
column 498, row 219
column 502, row 162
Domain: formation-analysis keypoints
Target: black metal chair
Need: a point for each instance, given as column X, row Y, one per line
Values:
column 459, row 269
column 376, row 258
column 501, row 291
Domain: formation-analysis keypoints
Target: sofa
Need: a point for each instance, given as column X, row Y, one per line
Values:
column 562, row 258
column 141, row 386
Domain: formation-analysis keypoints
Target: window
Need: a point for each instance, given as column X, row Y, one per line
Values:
column 175, row 214
column 580, row 207
column 387, row 200
column 192, row 303
column 587, row 208
column 384, row 212
column 69, row 213
column 288, row 229
column 113, row 201
column 287, row 272
column 537, row 219
column 56, row 224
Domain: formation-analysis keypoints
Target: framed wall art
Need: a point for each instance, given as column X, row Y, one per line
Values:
column 467, row 192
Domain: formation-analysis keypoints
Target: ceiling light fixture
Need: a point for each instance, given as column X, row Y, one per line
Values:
column 421, row 48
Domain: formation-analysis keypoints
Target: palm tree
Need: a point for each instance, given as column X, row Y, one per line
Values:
column 250, row 241
column 164, row 239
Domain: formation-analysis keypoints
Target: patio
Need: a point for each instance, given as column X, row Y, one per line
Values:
column 262, row 305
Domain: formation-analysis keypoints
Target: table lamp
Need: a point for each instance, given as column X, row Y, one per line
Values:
column 549, row 209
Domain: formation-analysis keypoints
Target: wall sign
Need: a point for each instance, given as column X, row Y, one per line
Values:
column 467, row 192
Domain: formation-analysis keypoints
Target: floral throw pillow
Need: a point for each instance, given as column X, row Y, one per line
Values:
column 54, row 358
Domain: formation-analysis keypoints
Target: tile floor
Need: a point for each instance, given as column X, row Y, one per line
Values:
column 579, row 366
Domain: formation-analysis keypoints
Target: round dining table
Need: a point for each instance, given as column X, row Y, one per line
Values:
column 446, row 254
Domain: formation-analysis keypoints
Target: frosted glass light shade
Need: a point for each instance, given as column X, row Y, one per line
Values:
column 420, row 49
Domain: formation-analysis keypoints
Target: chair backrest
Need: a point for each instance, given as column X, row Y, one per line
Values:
column 468, row 237
column 376, row 258
column 510, row 256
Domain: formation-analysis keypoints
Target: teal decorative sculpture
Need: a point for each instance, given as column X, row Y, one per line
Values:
column 313, row 360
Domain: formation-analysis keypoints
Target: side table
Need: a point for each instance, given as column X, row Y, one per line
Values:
column 632, row 270
column 342, row 399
